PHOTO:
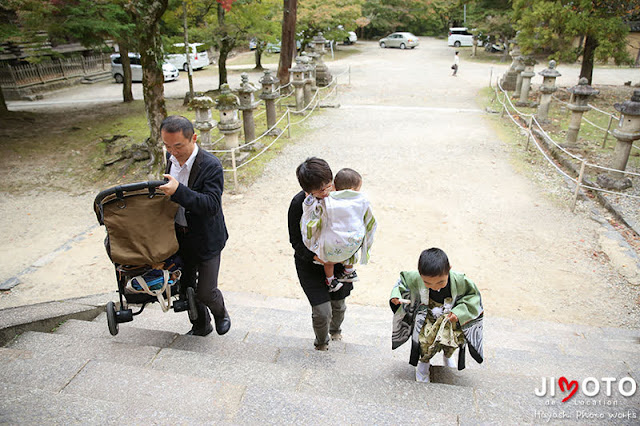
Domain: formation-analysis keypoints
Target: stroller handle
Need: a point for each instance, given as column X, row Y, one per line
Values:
column 121, row 189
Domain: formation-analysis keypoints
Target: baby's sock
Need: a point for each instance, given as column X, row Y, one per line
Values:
column 448, row 362
column 330, row 279
column 422, row 372
column 349, row 269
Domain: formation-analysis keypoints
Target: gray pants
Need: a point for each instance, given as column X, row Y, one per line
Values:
column 327, row 318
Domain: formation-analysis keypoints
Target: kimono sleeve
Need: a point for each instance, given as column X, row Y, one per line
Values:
column 468, row 305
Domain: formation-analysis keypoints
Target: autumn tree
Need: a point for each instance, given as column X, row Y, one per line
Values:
column 552, row 27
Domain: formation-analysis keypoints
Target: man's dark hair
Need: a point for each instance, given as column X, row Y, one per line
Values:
column 313, row 174
column 347, row 179
column 433, row 262
column 178, row 123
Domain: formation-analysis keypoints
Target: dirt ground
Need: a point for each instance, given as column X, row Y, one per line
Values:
column 438, row 171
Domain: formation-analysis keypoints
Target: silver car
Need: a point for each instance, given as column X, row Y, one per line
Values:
column 401, row 40
column 169, row 71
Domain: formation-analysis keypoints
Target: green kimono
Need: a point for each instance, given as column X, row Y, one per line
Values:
column 408, row 320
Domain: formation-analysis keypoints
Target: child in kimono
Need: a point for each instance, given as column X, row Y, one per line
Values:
column 441, row 310
column 336, row 228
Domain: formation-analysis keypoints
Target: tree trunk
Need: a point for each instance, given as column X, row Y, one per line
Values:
column 637, row 58
column 588, row 54
column 127, row 94
column 147, row 18
column 226, row 45
column 3, row 105
column 258, row 53
column 289, row 16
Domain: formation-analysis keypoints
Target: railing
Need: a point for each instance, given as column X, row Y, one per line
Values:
column 531, row 123
column 17, row 76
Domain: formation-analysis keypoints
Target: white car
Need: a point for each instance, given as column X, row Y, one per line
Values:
column 460, row 36
column 199, row 58
column 351, row 39
column 169, row 71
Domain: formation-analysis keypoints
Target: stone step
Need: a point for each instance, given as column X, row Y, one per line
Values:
column 520, row 370
column 22, row 405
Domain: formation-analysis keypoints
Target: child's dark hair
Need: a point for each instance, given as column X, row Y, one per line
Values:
column 313, row 174
column 433, row 262
column 347, row 179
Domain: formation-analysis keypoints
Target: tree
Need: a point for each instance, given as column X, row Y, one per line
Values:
column 550, row 27
column 288, row 39
column 430, row 17
column 146, row 16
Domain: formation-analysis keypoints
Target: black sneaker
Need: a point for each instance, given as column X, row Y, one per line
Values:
column 334, row 285
column 348, row 277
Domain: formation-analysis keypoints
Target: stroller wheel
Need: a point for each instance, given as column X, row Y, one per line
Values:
column 111, row 318
column 193, row 310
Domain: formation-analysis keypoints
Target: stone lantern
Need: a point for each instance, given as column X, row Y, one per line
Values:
column 269, row 95
column 303, row 61
column 247, row 105
column 548, row 87
column 298, row 81
column 581, row 94
column 527, row 74
column 228, row 103
column 628, row 130
column 204, row 121
column 313, row 59
column 508, row 80
column 519, row 68
column 323, row 76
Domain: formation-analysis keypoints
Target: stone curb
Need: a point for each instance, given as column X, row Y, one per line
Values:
column 46, row 316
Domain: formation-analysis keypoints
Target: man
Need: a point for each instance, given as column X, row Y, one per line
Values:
column 196, row 182
column 327, row 308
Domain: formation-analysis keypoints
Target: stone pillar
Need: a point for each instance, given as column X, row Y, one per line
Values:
column 313, row 60
column 228, row 103
column 269, row 95
column 247, row 105
column 508, row 80
column 323, row 76
column 519, row 69
column 298, row 83
column 581, row 94
column 474, row 51
column 527, row 74
column 303, row 62
column 204, row 121
column 628, row 130
column 548, row 87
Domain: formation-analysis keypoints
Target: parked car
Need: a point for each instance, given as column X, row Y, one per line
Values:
column 351, row 39
column 460, row 36
column 170, row 72
column 401, row 40
column 253, row 43
column 199, row 57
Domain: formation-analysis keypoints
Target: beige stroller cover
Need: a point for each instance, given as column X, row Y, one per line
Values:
column 140, row 227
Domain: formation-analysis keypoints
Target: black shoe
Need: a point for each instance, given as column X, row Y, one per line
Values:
column 223, row 324
column 334, row 285
column 201, row 331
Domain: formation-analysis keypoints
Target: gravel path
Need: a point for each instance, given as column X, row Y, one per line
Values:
column 437, row 174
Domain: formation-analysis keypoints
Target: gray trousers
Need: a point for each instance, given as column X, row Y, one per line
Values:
column 327, row 318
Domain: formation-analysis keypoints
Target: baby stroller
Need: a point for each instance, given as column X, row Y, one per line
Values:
column 141, row 242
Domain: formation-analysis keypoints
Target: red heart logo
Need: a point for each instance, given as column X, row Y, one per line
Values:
column 562, row 382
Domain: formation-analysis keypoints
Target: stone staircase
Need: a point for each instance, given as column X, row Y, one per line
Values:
column 265, row 370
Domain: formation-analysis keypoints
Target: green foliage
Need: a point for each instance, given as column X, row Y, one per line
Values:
column 422, row 17
column 551, row 27
column 332, row 17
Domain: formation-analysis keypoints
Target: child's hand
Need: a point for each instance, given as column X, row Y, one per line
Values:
column 395, row 301
column 452, row 318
